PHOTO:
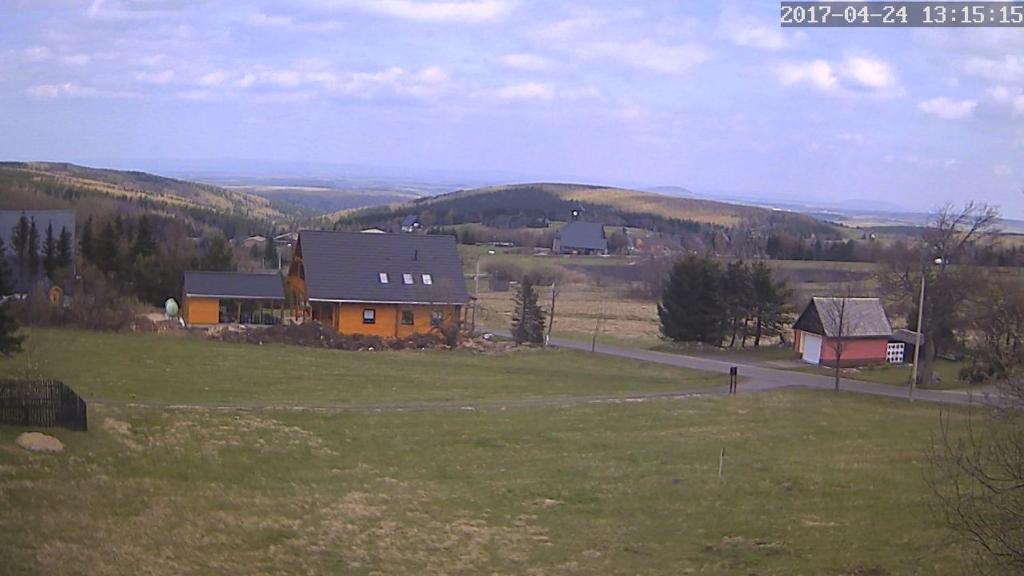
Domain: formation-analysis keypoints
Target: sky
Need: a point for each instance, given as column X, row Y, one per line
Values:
column 704, row 95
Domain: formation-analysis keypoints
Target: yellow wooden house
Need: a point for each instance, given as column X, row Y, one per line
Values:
column 389, row 285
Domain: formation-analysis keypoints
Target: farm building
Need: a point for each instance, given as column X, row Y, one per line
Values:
column 860, row 324
column 580, row 238
column 901, row 346
column 390, row 285
column 238, row 297
column 411, row 223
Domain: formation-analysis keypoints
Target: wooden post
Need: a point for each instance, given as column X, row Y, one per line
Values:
column 721, row 463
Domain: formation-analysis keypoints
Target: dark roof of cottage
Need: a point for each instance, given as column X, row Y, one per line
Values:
column 907, row 336
column 584, row 235
column 410, row 220
column 346, row 267
column 862, row 318
column 240, row 285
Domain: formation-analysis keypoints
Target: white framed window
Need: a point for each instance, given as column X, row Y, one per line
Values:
column 383, row 277
column 369, row 316
column 407, row 278
column 428, row 279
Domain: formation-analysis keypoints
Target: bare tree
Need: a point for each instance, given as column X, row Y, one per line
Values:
column 977, row 477
column 839, row 324
column 952, row 232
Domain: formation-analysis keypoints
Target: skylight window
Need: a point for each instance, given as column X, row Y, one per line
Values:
column 407, row 278
column 428, row 279
column 383, row 277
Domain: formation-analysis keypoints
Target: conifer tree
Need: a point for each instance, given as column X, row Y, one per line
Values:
column 527, row 316
column 33, row 248
column 10, row 341
column 19, row 241
column 49, row 252
column 86, row 242
column 64, row 249
column 692, row 308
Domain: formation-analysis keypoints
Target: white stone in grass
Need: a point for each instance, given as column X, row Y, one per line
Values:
column 38, row 442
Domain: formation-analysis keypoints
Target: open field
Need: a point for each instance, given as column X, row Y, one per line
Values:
column 190, row 369
column 815, row 482
column 947, row 374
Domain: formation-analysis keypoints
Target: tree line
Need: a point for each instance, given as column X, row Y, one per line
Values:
column 704, row 302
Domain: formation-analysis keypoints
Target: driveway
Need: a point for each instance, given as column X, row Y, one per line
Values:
column 760, row 378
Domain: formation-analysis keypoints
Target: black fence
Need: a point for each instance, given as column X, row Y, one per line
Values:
column 42, row 403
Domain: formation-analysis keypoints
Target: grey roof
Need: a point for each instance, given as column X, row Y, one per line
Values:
column 583, row 235
column 861, row 318
column 346, row 267
column 239, row 285
column 907, row 336
column 410, row 221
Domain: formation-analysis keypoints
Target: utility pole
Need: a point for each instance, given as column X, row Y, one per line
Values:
column 918, row 339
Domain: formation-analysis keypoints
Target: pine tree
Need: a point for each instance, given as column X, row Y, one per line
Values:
column 145, row 244
column 49, row 252
column 86, row 243
column 10, row 341
column 692, row 308
column 270, row 253
column 217, row 256
column 19, row 241
column 64, row 249
column 33, row 249
column 527, row 317
column 771, row 303
column 737, row 292
column 107, row 248
column 6, row 287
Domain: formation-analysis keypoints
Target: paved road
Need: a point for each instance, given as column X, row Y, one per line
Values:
column 758, row 378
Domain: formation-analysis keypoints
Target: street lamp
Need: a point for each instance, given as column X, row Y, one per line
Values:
column 919, row 338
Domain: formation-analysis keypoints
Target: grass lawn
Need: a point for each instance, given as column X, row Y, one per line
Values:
column 815, row 483
column 947, row 374
column 190, row 369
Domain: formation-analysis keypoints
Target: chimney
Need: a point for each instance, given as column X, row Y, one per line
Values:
column 415, row 255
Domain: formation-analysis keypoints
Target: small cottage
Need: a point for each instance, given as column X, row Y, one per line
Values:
column 232, row 297
column 580, row 238
column 856, row 327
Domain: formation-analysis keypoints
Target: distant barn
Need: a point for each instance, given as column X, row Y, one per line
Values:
column 580, row 238
column 864, row 330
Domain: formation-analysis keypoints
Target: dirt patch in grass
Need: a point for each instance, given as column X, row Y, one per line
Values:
column 38, row 442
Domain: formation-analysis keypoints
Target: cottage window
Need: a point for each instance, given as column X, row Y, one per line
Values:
column 428, row 279
column 383, row 277
column 369, row 316
column 436, row 318
column 407, row 278
column 407, row 318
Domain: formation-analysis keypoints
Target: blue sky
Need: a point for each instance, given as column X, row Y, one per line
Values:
column 705, row 95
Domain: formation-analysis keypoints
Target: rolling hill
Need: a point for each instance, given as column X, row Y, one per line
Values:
column 523, row 204
column 94, row 191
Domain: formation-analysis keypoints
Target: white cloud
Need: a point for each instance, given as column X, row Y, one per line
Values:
column 525, row 61
column 747, row 30
column 73, row 90
column 816, row 73
column 79, row 59
column 855, row 75
column 648, row 55
column 431, row 11
column 541, row 91
column 37, row 53
column 1002, row 170
column 1006, row 97
column 158, row 78
column 215, row 78
column 949, row 109
column 1010, row 68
